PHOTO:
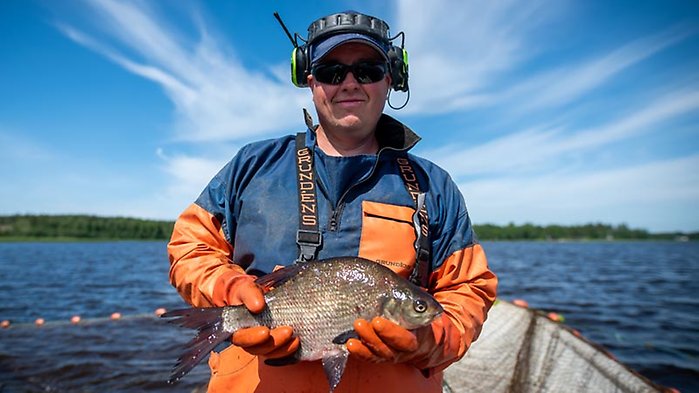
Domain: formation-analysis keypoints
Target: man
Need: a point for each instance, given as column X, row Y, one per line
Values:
column 367, row 191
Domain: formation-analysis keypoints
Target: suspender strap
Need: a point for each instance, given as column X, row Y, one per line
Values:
column 421, row 270
column 308, row 236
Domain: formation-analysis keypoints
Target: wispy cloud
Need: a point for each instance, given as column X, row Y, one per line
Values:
column 652, row 195
column 189, row 173
column 38, row 177
column 215, row 97
column 565, row 83
column 464, row 46
column 473, row 54
column 467, row 55
column 545, row 147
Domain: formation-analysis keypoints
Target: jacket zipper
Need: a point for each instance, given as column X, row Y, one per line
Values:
column 335, row 218
column 335, row 214
column 388, row 218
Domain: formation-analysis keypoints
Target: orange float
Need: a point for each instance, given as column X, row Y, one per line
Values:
column 520, row 303
column 555, row 317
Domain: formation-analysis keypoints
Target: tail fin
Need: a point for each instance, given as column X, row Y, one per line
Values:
column 209, row 323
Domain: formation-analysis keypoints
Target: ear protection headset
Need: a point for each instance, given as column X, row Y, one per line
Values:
column 347, row 22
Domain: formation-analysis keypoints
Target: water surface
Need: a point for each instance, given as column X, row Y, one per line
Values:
column 638, row 299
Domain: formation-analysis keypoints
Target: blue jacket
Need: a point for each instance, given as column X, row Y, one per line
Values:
column 245, row 222
column 262, row 178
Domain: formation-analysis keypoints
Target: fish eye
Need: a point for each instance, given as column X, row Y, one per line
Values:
column 420, row 305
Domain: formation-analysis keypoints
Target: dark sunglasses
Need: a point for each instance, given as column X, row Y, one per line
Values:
column 363, row 71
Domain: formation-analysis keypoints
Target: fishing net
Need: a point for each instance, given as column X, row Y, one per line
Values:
column 521, row 350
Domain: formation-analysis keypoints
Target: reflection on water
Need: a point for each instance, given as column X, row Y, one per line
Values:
column 635, row 298
column 130, row 355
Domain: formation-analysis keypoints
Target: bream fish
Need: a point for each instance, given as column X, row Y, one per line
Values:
column 320, row 300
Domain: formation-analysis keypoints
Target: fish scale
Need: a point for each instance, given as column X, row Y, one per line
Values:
column 320, row 300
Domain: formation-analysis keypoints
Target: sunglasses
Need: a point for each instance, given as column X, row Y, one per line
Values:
column 363, row 71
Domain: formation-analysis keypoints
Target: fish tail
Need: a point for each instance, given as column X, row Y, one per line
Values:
column 209, row 323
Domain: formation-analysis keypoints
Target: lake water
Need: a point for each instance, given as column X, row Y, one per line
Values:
column 637, row 299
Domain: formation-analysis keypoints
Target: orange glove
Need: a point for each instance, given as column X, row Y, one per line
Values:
column 430, row 348
column 382, row 340
column 272, row 344
column 234, row 288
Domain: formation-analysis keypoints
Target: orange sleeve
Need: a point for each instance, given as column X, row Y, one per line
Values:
column 466, row 288
column 199, row 256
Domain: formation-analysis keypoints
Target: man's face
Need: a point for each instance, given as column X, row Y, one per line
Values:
column 350, row 107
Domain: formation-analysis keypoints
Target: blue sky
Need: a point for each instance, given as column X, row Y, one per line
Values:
column 543, row 111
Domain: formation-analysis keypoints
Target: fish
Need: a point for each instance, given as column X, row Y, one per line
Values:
column 320, row 300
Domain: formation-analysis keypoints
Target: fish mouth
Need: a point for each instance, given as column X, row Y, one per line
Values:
column 423, row 321
column 437, row 314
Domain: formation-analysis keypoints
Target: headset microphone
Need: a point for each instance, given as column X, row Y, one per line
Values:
column 288, row 34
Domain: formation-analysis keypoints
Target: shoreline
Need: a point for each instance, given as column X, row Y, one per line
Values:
column 64, row 239
column 51, row 239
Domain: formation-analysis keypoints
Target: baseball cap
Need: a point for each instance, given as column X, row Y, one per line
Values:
column 319, row 50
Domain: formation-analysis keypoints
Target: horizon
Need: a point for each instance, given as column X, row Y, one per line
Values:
column 592, row 223
column 547, row 113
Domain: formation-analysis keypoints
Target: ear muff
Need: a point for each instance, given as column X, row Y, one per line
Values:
column 398, row 61
column 300, row 67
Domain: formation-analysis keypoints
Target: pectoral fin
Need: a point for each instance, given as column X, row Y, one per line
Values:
column 334, row 366
column 343, row 337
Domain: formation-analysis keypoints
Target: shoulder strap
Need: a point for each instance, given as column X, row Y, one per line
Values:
column 308, row 236
column 423, row 248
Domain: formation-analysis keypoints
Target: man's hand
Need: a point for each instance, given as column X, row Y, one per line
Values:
column 271, row 344
column 382, row 340
column 236, row 289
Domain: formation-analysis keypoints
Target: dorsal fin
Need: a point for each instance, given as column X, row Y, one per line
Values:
column 278, row 277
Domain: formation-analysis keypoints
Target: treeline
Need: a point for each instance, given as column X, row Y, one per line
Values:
column 597, row 231
column 82, row 227
column 121, row 228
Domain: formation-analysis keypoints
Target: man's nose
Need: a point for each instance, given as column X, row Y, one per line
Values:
column 350, row 81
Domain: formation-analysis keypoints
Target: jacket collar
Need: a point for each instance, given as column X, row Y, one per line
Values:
column 390, row 133
column 393, row 134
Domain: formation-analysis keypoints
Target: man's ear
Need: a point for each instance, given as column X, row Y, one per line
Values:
column 311, row 81
column 390, row 84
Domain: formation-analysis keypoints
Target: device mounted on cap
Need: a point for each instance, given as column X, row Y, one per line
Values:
column 348, row 22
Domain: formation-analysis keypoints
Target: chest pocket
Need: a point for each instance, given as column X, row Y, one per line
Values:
column 388, row 236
